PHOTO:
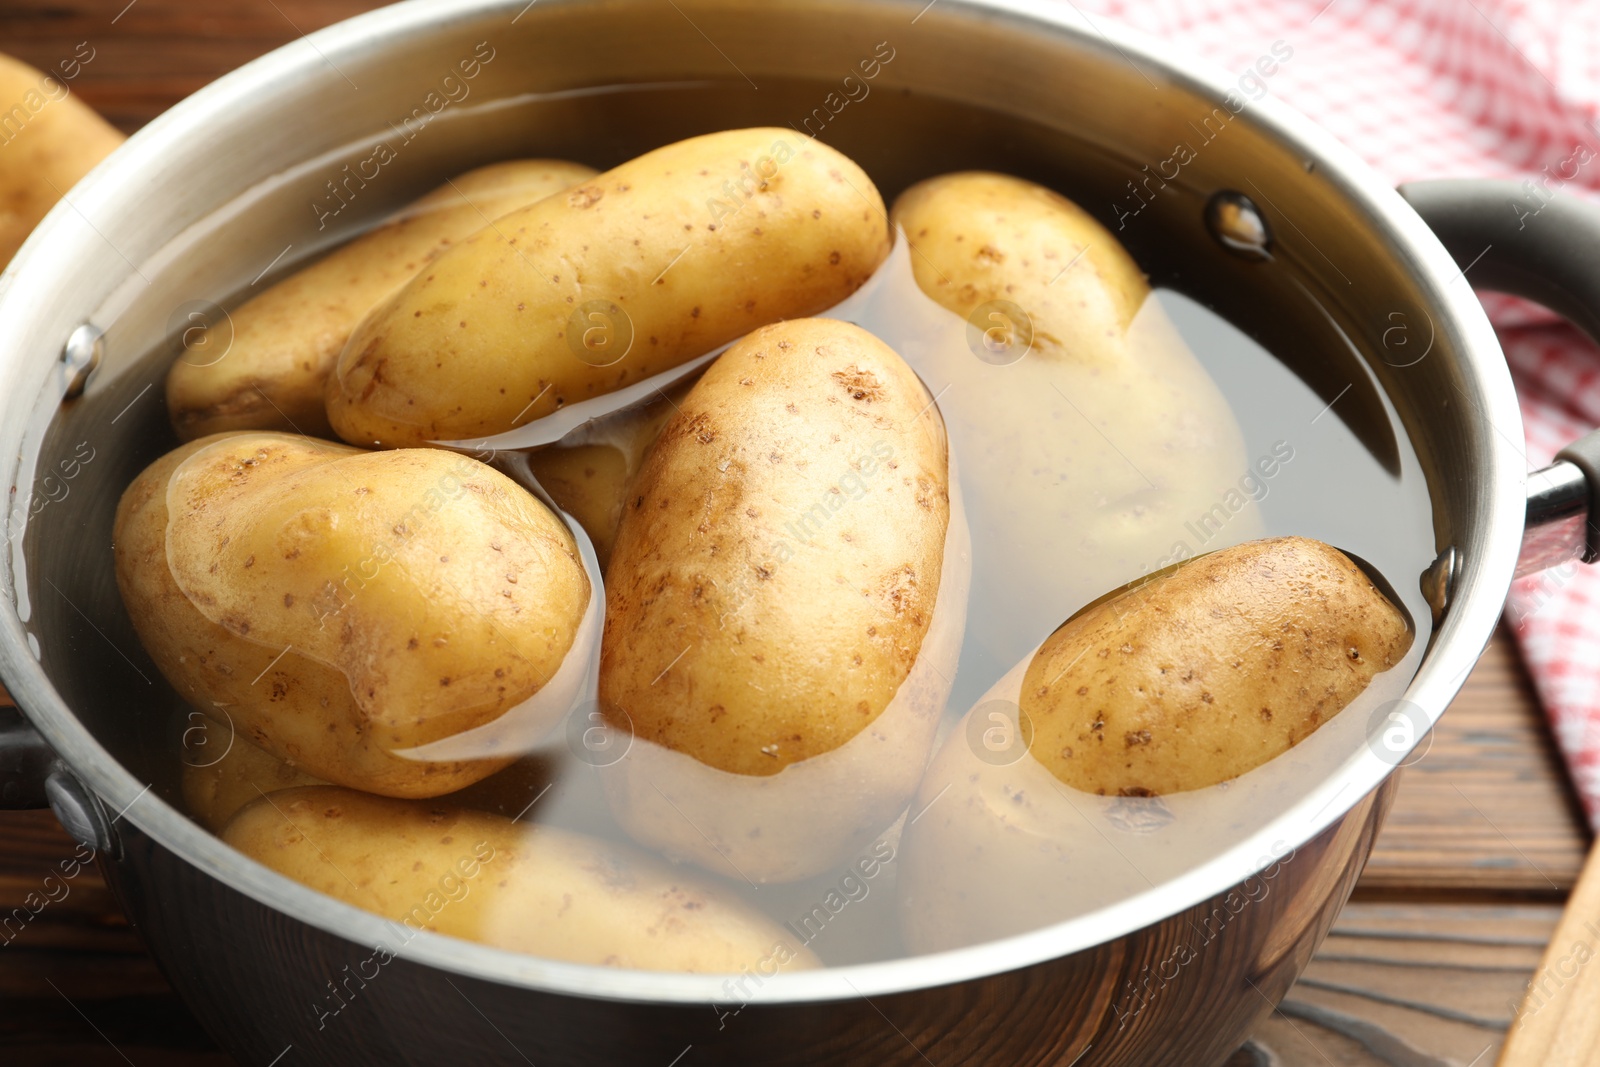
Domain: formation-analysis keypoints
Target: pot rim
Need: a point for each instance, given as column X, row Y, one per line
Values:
column 1478, row 591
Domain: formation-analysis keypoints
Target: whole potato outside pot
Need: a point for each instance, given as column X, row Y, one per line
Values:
column 526, row 888
column 1088, row 429
column 642, row 268
column 353, row 612
column 785, row 605
column 49, row 139
column 283, row 343
column 1146, row 730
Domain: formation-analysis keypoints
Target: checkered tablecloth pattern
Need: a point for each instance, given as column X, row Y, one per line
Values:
column 1456, row 89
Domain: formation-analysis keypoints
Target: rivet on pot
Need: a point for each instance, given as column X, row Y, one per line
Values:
column 1238, row 225
column 80, row 356
column 80, row 812
column 1436, row 582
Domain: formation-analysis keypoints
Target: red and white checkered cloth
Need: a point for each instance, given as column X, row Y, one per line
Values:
column 1457, row 89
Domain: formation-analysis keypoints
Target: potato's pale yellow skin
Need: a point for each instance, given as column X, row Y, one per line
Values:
column 589, row 478
column 1173, row 675
column 786, row 536
column 223, row 771
column 980, row 236
column 346, row 607
column 49, row 139
column 1106, row 445
column 813, row 817
column 785, row 607
column 644, row 267
column 284, row 342
column 517, row 886
column 1197, row 676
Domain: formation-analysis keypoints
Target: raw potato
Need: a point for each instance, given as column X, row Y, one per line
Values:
column 1195, row 677
column 588, row 475
column 525, row 888
column 48, row 141
column 222, row 772
column 1158, row 691
column 784, row 606
column 352, row 610
column 1106, row 444
column 788, row 528
column 274, row 372
column 649, row 265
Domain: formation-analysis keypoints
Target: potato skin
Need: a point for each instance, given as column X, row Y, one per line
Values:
column 697, row 243
column 61, row 141
column 588, row 474
column 517, row 886
column 229, row 771
column 757, row 615
column 1200, row 675
column 1016, row 844
column 287, row 339
column 1129, row 445
column 299, row 585
column 981, row 236
column 223, row 771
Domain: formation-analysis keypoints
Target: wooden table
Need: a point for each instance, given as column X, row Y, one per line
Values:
column 1423, row 970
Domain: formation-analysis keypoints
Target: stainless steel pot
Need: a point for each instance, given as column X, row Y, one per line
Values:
column 203, row 202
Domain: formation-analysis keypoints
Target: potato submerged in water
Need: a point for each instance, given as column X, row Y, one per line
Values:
column 48, row 141
column 1198, row 676
column 273, row 373
column 1088, row 429
column 1125, row 716
column 397, row 622
column 223, row 771
column 642, row 268
column 784, row 606
column 526, row 888
column 588, row 473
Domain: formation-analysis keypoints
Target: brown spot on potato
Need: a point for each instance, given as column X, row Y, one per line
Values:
column 860, row 383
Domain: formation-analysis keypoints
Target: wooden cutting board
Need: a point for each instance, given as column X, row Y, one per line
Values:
column 1425, row 969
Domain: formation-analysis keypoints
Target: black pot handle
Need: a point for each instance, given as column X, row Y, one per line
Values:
column 1544, row 245
column 25, row 762
column 33, row 776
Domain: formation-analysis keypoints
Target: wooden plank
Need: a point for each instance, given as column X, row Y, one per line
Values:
column 1425, row 985
column 1557, row 1024
column 1488, row 812
column 150, row 54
